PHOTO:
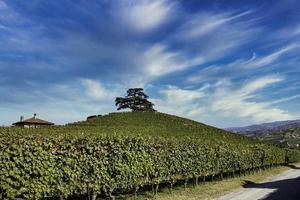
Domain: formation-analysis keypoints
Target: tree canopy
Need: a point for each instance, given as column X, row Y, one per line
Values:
column 136, row 100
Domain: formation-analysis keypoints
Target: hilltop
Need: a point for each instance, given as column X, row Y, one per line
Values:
column 144, row 124
column 158, row 124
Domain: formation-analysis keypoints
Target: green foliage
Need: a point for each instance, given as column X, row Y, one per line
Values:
column 136, row 100
column 122, row 152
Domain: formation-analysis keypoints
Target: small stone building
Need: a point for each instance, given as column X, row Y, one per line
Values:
column 32, row 122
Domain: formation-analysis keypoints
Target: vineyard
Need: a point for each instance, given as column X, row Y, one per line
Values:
column 122, row 152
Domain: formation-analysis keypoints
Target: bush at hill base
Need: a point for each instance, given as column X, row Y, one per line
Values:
column 35, row 165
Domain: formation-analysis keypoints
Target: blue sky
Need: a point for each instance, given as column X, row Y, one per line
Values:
column 224, row 63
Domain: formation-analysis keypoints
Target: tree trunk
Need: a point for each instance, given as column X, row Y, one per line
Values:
column 156, row 188
column 153, row 190
column 94, row 195
column 196, row 180
column 171, row 188
column 135, row 191
column 112, row 197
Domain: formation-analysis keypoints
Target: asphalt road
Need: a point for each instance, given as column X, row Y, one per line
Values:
column 285, row 186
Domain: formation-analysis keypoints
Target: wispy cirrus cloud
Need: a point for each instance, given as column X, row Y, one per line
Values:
column 146, row 15
column 207, row 32
column 180, row 101
column 242, row 67
column 199, row 44
column 290, row 32
column 206, row 23
column 285, row 99
column 271, row 58
column 241, row 103
column 158, row 61
column 153, row 60
column 227, row 101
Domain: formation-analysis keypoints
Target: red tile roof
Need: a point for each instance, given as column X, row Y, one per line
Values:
column 33, row 121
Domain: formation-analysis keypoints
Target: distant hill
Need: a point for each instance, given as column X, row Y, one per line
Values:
column 289, row 137
column 285, row 133
column 265, row 128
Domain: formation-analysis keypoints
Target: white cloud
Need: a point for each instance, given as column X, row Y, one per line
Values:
column 297, row 31
column 221, row 71
column 158, row 61
column 147, row 14
column 242, row 67
column 215, row 35
column 204, row 38
column 285, row 99
column 238, row 102
column 206, row 23
column 224, row 100
column 258, row 84
column 96, row 91
column 181, row 102
column 63, row 103
column 177, row 95
column 266, row 60
column 287, row 32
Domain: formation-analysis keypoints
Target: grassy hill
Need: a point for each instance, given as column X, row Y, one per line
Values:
column 159, row 125
column 121, row 152
column 142, row 124
column 145, row 124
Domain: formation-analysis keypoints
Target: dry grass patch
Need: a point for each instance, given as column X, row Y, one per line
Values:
column 210, row 190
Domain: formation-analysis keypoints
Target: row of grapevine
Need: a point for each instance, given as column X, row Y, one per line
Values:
column 35, row 167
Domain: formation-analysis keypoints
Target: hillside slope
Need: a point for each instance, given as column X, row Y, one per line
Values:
column 158, row 124
column 145, row 124
column 121, row 152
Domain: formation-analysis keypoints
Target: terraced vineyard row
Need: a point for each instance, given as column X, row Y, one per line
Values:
column 122, row 152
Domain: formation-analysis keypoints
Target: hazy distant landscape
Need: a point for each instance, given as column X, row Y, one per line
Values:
column 284, row 133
